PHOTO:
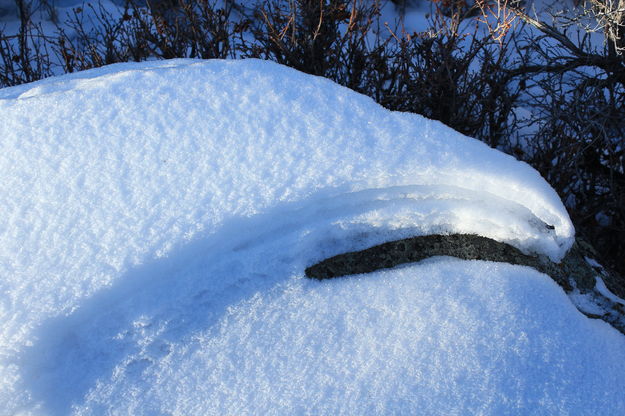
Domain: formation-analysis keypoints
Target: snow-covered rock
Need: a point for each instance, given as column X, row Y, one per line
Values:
column 159, row 217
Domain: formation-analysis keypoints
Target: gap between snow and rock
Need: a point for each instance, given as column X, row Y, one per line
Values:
column 575, row 274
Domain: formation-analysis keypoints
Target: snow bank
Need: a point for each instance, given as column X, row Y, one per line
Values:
column 447, row 337
column 147, row 203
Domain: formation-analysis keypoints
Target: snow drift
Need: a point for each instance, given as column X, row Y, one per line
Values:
column 159, row 218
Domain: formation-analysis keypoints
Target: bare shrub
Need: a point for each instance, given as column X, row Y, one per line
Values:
column 576, row 93
column 24, row 56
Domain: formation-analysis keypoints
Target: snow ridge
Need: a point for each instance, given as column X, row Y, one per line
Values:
column 156, row 211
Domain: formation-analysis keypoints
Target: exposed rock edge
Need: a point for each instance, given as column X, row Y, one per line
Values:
column 576, row 273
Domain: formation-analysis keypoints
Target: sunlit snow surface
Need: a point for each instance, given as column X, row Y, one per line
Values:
column 158, row 217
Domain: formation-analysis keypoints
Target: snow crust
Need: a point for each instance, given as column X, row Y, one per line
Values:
column 159, row 216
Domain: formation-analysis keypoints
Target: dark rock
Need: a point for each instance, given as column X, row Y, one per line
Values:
column 575, row 273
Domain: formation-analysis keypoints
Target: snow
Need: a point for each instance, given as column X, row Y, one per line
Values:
column 377, row 346
column 603, row 289
column 159, row 217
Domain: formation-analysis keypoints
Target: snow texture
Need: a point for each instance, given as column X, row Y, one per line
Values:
column 159, row 217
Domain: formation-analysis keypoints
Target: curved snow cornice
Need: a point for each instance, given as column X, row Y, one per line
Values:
column 109, row 168
column 245, row 134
